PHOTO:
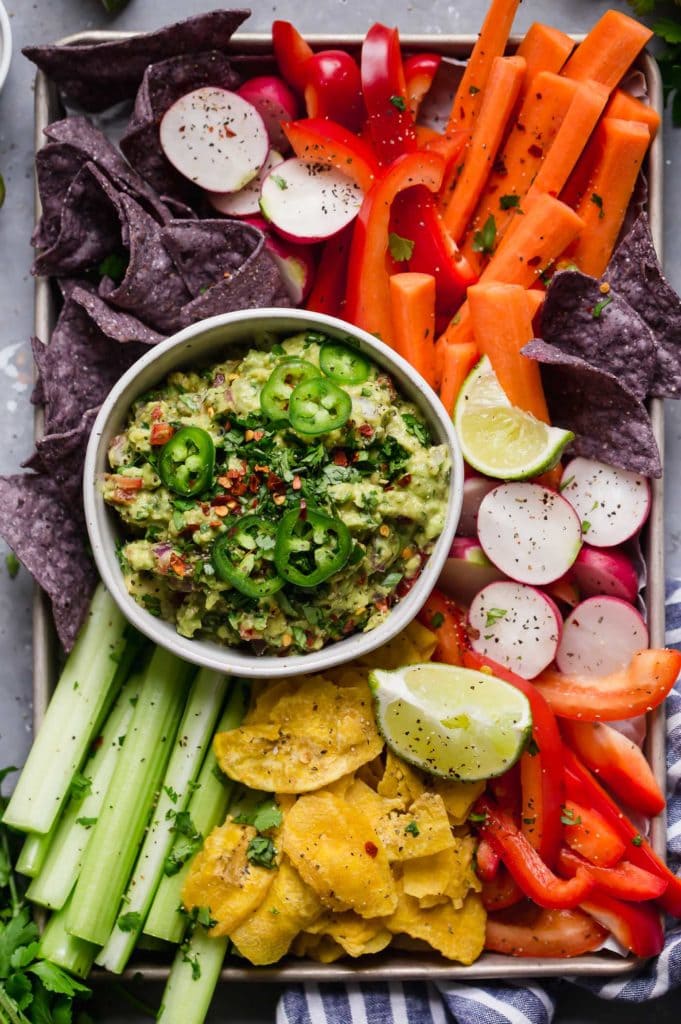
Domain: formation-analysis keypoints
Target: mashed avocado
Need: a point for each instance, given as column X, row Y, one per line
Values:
column 280, row 501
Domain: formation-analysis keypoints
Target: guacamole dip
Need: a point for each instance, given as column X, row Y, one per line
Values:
column 280, row 501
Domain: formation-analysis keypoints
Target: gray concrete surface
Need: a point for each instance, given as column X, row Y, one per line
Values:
column 46, row 20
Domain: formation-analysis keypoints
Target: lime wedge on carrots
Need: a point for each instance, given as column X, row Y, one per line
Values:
column 452, row 722
column 498, row 439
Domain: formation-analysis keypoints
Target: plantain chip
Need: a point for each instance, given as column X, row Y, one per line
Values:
column 356, row 935
column 222, row 878
column 447, row 875
column 314, row 732
column 336, row 850
column 321, row 948
column 457, row 933
column 421, row 830
column 289, row 906
column 400, row 781
column 458, row 797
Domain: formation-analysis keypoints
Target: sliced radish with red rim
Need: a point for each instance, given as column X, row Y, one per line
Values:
column 275, row 103
column 308, row 202
column 606, row 572
column 531, row 533
column 245, row 202
column 214, row 138
column 515, row 625
column 600, row 636
column 612, row 504
column 474, row 490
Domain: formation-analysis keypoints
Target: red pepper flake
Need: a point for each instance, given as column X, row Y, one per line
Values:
column 161, row 433
column 340, row 458
column 536, row 151
column 254, row 483
column 366, row 430
column 371, row 849
column 405, row 480
column 274, row 482
column 534, row 262
column 239, row 488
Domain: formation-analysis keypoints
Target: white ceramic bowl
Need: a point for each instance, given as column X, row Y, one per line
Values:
column 5, row 44
column 206, row 342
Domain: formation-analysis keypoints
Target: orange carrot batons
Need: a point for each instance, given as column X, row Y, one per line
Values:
column 457, row 363
column 628, row 108
column 491, row 43
column 615, row 154
column 412, row 299
column 501, row 93
column 609, row 49
column 544, row 48
column 502, row 325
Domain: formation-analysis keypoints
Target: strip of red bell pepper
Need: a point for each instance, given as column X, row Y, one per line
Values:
column 528, row 931
column 541, row 771
column 419, row 72
column 487, row 861
column 368, row 295
column 318, row 140
column 507, row 792
column 581, row 786
column 384, row 88
column 443, row 617
column 525, row 865
column 501, row 891
column 328, row 291
column 625, row 881
column 591, row 836
column 636, row 925
column 291, row 53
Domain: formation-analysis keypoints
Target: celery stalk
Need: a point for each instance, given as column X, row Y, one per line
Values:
column 113, row 846
column 71, row 717
column 34, row 853
column 192, row 980
column 207, row 808
column 74, row 955
column 54, row 883
column 206, row 698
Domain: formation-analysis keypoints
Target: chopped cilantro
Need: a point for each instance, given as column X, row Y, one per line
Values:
column 262, row 851
column 86, row 822
column 568, row 817
column 437, row 620
column 417, row 428
column 279, row 182
column 398, row 102
column 264, row 816
column 509, row 202
column 130, row 922
column 586, row 526
column 114, row 266
column 172, row 794
column 485, row 239
column 152, row 604
column 401, row 249
column 13, row 564
column 637, row 840
column 473, row 90
column 494, row 614
column 598, row 201
column 600, row 306
column 532, row 747
column 390, row 581
column 412, row 829
column 80, row 786
column 477, row 819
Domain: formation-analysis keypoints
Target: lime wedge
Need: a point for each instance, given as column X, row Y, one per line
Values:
column 498, row 439
column 451, row 721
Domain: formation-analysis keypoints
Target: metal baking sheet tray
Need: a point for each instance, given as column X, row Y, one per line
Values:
column 393, row 964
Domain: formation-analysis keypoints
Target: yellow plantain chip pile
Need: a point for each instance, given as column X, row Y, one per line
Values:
column 360, row 850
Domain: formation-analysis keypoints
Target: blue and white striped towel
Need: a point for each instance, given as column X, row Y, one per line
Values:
column 421, row 1003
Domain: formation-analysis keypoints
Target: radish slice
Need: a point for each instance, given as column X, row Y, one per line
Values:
column 469, row 550
column 308, row 202
column 529, row 532
column 214, row 138
column 245, row 202
column 613, row 504
column 516, row 625
column 600, row 636
column 474, row 490
column 275, row 103
column 610, row 573
column 296, row 263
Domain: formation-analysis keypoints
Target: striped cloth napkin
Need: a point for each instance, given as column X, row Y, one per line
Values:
column 504, row 1003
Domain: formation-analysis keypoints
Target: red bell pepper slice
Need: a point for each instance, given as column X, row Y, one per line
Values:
column 443, row 616
column 416, row 217
column 580, row 785
column 333, row 88
column 328, row 291
column 625, row 881
column 631, row 691
column 618, row 762
column 319, row 141
column 541, row 771
column 291, row 53
column 501, row 891
column 637, row 926
column 506, row 791
column 529, row 931
column 368, row 297
column 419, row 72
column 487, row 861
column 384, row 88
column 525, row 865
column 589, row 834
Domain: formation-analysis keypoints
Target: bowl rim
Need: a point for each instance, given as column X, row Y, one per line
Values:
column 232, row 660
column 6, row 49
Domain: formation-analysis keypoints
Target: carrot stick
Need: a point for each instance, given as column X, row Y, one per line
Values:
column 543, row 234
column 412, row 300
column 448, row 145
column 502, row 325
column 458, row 361
column 501, row 93
column 491, row 43
column 535, row 128
column 618, row 151
column 583, row 113
column 608, row 51
column 544, row 48
column 628, row 108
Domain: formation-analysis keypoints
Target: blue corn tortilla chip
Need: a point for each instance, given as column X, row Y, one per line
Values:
column 609, row 422
column 56, row 165
column 62, row 456
column 50, row 542
column 635, row 271
column 163, row 84
column 95, row 76
column 602, row 329
column 119, row 326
